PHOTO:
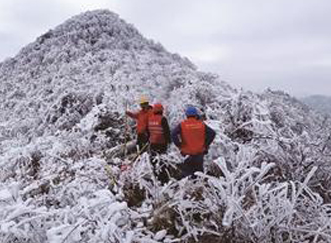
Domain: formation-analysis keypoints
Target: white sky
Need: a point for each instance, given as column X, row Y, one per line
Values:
column 282, row 44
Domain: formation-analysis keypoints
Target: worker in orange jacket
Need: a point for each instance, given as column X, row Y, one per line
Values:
column 193, row 137
column 141, row 118
column 159, row 132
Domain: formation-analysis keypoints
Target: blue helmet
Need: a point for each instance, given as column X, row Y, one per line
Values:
column 191, row 111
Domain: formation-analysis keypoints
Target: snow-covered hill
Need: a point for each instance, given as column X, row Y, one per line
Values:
column 319, row 102
column 62, row 112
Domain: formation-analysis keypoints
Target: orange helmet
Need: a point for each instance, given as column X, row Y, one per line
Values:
column 158, row 108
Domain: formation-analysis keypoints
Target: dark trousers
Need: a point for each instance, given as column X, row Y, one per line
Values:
column 142, row 140
column 156, row 149
column 192, row 164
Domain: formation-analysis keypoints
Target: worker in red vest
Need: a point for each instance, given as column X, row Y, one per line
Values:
column 159, row 139
column 193, row 138
column 142, row 121
column 159, row 132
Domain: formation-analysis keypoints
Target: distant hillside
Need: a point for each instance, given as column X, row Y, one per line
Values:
column 319, row 102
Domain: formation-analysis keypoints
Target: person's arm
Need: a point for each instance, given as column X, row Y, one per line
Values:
column 166, row 130
column 210, row 136
column 132, row 114
column 175, row 136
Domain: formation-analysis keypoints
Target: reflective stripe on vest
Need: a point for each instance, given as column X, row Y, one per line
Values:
column 156, row 134
column 193, row 134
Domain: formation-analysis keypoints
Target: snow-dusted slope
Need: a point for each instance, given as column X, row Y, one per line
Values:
column 319, row 102
column 95, row 57
column 62, row 103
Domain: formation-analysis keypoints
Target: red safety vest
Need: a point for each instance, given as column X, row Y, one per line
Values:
column 193, row 133
column 156, row 134
column 142, row 119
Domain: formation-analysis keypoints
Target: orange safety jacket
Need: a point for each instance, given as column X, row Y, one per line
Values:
column 142, row 119
column 193, row 133
column 156, row 133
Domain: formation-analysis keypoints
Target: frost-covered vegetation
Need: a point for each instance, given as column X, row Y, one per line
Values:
column 62, row 114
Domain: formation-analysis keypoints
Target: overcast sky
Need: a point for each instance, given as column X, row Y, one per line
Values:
column 255, row 44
